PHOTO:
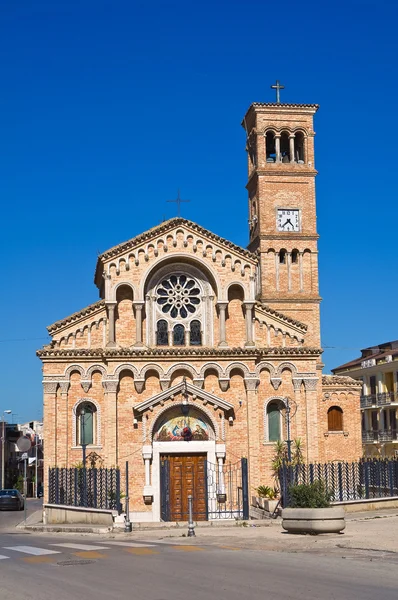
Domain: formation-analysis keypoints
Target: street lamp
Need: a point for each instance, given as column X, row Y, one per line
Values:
column 83, row 434
column 3, row 439
column 290, row 411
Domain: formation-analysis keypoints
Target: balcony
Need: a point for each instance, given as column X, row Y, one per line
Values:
column 367, row 401
column 382, row 436
column 386, row 398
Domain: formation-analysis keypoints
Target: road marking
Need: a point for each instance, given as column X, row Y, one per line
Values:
column 141, row 551
column 129, row 544
column 31, row 550
column 80, row 546
column 3, row 557
column 188, row 548
column 39, row 559
column 89, row 554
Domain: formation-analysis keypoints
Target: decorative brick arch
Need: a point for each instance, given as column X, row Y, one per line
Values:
column 289, row 366
column 126, row 367
column 211, row 365
column 238, row 366
column 69, row 370
column 121, row 284
column 93, row 368
column 265, row 366
column 152, row 367
column 183, row 366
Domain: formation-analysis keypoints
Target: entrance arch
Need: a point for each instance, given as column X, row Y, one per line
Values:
column 183, row 443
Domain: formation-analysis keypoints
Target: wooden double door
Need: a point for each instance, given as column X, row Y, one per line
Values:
column 183, row 475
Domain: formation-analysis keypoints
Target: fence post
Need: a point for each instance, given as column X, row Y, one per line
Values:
column 366, row 473
column 56, row 485
column 245, row 489
column 118, row 504
column 340, row 477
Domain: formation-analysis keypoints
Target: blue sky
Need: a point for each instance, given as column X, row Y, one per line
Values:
column 106, row 108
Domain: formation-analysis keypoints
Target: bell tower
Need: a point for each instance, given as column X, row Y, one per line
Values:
column 282, row 208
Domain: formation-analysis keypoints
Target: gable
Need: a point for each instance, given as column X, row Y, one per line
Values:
column 171, row 236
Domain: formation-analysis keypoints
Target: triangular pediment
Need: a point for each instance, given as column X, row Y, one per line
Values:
column 180, row 391
column 139, row 244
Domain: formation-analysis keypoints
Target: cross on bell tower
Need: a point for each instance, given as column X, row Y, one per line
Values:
column 278, row 87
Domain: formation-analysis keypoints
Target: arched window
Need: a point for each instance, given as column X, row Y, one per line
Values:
column 282, row 257
column 195, row 334
column 274, row 421
column 179, row 335
column 294, row 257
column 335, row 418
column 86, row 423
column 162, row 336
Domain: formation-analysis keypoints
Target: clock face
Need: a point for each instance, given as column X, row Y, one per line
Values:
column 288, row 219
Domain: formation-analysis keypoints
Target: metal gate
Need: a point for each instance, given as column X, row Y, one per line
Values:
column 227, row 493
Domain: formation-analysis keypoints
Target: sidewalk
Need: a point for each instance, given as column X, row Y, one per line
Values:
column 371, row 531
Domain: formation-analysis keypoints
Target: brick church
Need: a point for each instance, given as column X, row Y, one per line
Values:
column 197, row 345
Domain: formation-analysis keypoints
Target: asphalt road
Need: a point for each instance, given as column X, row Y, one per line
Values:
column 10, row 518
column 73, row 567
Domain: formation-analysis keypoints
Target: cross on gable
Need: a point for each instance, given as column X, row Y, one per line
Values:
column 178, row 201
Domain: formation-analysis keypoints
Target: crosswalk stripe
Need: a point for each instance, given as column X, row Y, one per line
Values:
column 129, row 544
column 80, row 546
column 31, row 550
column 3, row 557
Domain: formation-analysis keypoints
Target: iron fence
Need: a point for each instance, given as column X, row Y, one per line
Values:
column 365, row 479
column 91, row 488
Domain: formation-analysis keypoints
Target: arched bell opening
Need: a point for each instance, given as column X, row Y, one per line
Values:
column 285, row 147
column 270, row 148
column 299, row 148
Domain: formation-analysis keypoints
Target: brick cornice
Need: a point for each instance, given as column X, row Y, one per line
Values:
column 108, row 353
column 85, row 312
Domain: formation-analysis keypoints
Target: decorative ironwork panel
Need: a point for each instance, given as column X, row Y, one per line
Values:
column 91, row 488
column 365, row 479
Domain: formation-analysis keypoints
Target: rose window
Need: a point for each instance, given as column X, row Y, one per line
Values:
column 178, row 296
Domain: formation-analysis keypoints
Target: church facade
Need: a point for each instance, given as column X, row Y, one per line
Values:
column 197, row 345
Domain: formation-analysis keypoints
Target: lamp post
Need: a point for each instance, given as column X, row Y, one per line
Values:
column 3, row 440
column 83, row 434
column 37, row 444
column 290, row 411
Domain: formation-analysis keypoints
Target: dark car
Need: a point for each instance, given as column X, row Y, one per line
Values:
column 11, row 500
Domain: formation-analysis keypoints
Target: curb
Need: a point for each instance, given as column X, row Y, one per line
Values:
column 63, row 529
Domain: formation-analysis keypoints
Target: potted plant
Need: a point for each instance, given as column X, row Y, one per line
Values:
column 309, row 510
column 267, row 497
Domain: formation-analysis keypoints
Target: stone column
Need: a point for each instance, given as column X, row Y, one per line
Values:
column 49, row 429
column 111, row 321
column 138, row 305
column 278, row 147
column 312, row 426
column 291, row 143
column 222, row 307
column 301, row 270
column 253, row 439
column 147, row 456
column 111, row 427
column 289, row 270
column 220, row 455
column 249, row 323
column 64, row 386
column 277, row 271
